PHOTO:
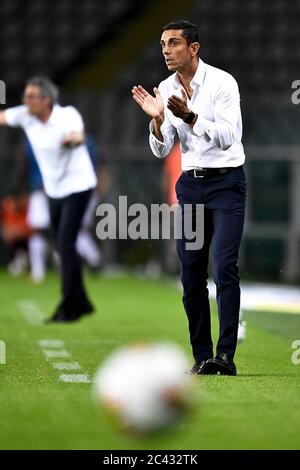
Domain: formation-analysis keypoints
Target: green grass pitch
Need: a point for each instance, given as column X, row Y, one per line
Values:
column 258, row 409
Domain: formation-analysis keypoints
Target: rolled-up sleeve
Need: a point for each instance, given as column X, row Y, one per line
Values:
column 15, row 116
column 224, row 130
column 158, row 148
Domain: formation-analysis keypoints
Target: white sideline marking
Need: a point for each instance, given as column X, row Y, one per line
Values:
column 54, row 349
column 74, row 378
column 54, row 353
column 266, row 297
column 51, row 343
column 23, row 303
column 32, row 318
column 31, row 312
column 66, row 365
column 2, row 352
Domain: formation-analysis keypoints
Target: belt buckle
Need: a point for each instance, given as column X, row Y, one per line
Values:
column 195, row 173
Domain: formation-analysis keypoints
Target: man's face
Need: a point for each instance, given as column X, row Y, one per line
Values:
column 34, row 100
column 175, row 49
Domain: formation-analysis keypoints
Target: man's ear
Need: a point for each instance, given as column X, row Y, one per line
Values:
column 49, row 101
column 194, row 47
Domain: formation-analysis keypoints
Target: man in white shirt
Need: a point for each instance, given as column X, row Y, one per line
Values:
column 202, row 105
column 56, row 135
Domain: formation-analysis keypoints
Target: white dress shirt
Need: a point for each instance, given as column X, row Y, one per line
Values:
column 215, row 139
column 64, row 170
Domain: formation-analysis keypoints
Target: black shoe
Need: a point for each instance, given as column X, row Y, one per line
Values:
column 58, row 317
column 222, row 364
column 197, row 368
column 88, row 309
column 61, row 317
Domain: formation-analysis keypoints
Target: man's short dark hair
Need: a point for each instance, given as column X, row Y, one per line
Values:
column 189, row 30
column 47, row 87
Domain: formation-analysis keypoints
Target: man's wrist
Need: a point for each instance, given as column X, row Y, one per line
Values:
column 157, row 123
column 189, row 117
column 159, row 120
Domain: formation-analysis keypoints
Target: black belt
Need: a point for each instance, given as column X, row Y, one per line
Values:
column 207, row 172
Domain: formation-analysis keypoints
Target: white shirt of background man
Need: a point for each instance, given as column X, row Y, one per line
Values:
column 64, row 170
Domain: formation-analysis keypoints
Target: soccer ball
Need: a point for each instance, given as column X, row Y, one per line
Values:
column 144, row 386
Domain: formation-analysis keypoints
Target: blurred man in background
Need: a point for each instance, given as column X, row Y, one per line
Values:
column 56, row 135
column 39, row 219
column 202, row 105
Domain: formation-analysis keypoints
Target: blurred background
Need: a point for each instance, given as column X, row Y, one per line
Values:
column 97, row 50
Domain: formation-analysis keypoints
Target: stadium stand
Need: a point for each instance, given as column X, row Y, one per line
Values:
column 54, row 37
column 254, row 42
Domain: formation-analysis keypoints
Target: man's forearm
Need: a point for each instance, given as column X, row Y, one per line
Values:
column 2, row 118
column 73, row 139
column 157, row 128
column 78, row 137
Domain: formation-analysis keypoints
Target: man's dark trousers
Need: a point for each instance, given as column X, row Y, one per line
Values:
column 66, row 215
column 224, row 198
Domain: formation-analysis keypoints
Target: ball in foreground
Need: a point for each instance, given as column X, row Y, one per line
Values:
column 144, row 386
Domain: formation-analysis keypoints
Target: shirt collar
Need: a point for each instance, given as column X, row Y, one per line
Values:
column 198, row 78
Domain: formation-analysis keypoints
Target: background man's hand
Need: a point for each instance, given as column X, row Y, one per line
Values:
column 72, row 139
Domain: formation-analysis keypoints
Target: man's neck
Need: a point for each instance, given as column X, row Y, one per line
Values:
column 185, row 76
column 45, row 115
